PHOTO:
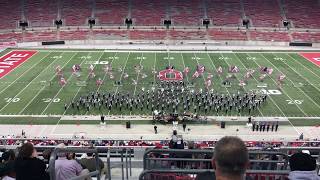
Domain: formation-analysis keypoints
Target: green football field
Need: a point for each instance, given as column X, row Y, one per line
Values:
column 33, row 88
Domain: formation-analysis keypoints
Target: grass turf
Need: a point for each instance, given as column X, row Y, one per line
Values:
column 26, row 90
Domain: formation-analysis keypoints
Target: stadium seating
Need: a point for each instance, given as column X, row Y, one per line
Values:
column 76, row 16
column 41, row 13
column 187, row 35
column 304, row 14
column 224, row 12
column 145, row 34
column 269, row 36
column 265, row 13
column 186, row 13
column 110, row 34
column 227, row 35
column 10, row 13
column 306, row 36
column 148, row 13
column 40, row 36
column 74, row 35
column 111, row 12
column 12, row 36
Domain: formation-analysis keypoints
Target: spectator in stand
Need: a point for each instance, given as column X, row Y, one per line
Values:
column 46, row 155
column 230, row 160
column 89, row 162
column 27, row 166
column 8, row 156
column 66, row 169
column 7, row 171
column 303, row 167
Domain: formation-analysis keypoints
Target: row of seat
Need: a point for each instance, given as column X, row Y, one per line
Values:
column 265, row 13
column 161, row 35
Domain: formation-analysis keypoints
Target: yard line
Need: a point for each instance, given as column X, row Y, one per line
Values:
column 25, row 107
column 282, row 89
column 154, row 68
column 28, row 84
column 67, row 80
column 212, row 64
column 25, row 72
column 135, row 87
column 303, row 65
column 184, row 67
column 105, row 74
column 125, row 65
column 237, row 77
column 204, row 81
column 299, row 87
column 270, row 95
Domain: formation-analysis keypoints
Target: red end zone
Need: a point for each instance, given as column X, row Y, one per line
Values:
column 313, row 57
column 12, row 60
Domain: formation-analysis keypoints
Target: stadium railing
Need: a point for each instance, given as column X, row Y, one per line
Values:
column 183, row 164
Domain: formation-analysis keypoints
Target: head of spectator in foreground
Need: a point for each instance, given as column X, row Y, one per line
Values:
column 61, row 154
column 8, row 156
column 27, row 151
column 302, row 166
column 230, row 159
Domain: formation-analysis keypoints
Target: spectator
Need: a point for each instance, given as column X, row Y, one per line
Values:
column 8, row 156
column 90, row 162
column 66, row 169
column 27, row 166
column 7, row 171
column 303, row 167
column 46, row 155
column 230, row 160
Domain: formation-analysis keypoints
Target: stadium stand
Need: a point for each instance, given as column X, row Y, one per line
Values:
column 296, row 12
column 41, row 13
column 269, row 36
column 74, row 35
column 149, row 35
column 83, row 12
column 224, row 13
column 263, row 13
column 144, row 14
column 227, row 35
column 306, row 36
column 112, row 12
column 186, row 13
column 187, row 35
column 10, row 13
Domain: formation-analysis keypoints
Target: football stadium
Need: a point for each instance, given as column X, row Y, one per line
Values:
column 160, row 89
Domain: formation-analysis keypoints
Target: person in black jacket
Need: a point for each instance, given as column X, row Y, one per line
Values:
column 28, row 166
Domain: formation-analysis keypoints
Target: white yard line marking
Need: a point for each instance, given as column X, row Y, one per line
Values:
column 270, row 95
column 105, row 74
column 25, row 107
column 303, row 65
column 212, row 64
column 29, row 84
column 299, row 87
column 184, row 66
column 25, row 72
column 276, row 83
column 225, row 60
column 136, row 85
column 84, row 59
column 124, row 68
